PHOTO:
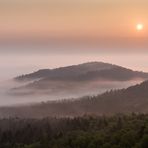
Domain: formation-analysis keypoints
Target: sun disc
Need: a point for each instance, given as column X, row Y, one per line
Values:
column 139, row 27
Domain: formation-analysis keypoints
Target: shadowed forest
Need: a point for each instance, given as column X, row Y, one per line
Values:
column 119, row 131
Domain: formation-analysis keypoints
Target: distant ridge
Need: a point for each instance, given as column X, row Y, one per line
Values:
column 85, row 71
column 73, row 70
column 77, row 80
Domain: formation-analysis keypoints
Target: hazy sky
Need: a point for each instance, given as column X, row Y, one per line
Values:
column 21, row 60
column 82, row 30
column 75, row 18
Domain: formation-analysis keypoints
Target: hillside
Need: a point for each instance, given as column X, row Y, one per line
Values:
column 132, row 99
column 86, row 71
column 77, row 80
column 66, row 72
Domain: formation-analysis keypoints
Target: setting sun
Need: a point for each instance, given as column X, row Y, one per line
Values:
column 139, row 27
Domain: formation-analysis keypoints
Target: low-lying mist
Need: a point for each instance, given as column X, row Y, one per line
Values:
column 56, row 90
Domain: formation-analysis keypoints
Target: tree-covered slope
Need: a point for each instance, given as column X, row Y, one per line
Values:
column 132, row 99
column 120, row 131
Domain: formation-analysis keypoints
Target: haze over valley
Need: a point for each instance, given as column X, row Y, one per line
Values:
column 68, row 82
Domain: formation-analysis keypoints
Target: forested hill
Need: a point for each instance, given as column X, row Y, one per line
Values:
column 76, row 80
column 86, row 71
column 132, row 99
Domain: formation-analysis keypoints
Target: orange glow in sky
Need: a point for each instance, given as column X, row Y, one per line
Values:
column 77, row 18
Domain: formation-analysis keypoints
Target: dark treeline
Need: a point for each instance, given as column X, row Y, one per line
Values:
column 119, row 131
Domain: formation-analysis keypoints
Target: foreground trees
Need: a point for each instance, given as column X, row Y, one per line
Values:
column 120, row 131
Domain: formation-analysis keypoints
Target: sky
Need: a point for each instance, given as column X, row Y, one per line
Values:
column 72, row 18
column 38, row 34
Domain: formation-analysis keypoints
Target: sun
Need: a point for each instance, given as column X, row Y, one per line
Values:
column 139, row 27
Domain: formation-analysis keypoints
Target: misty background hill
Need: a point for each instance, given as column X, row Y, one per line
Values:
column 66, row 72
column 77, row 80
column 86, row 71
column 132, row 99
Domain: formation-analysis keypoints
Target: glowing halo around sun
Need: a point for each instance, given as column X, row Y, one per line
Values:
column 139, row 27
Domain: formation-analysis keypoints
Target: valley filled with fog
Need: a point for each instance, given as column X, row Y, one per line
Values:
column 18, row 59
column 7, row 99
column 89, row 79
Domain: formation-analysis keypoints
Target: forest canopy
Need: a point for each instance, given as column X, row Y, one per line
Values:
column 118, row 131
